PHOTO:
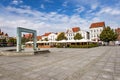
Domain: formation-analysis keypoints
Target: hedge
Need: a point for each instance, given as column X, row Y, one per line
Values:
column 84, row 46
column 78, row 46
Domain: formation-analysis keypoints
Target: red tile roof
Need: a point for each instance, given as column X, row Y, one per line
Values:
column 28, row 35
column 6, row 34
column 46, row 34
column 2, row 33
column 118, row 38
column 39, row 37
column 118, row 33
column 117, row 30
column 98, row 24
column 75, row 29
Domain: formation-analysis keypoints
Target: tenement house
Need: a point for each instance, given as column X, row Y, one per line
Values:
column 45, row 36
column 118, row 33
column 52, row 37
column 70, row 33
column 95, row 30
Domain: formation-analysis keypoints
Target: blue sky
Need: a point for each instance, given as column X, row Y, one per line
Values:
column 57, row 15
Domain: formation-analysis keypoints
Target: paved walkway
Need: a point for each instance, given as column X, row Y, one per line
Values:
column 101, row 63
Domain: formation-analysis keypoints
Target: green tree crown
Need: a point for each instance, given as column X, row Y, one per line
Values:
column 61, row 36
column 108, row 35
column 78, row 36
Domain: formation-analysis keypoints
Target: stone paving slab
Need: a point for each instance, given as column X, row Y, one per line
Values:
column 100, row 63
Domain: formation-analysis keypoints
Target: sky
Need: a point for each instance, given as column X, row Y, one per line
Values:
column 57, row 15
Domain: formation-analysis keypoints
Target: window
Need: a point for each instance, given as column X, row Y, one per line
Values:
column 97, row 30
column 69, row 34
column 91, row 31
column 97, row 35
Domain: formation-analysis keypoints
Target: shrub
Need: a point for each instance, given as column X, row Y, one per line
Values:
column 84, row 46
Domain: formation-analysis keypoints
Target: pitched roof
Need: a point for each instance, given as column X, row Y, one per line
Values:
column 6, row 34
column 68, row 30
column 97, row 24
column 2, row 33
column 75, row 29
column 118, row 38
column 39, row 37
column 117, row 30
column 28, row 35
column 46, row 34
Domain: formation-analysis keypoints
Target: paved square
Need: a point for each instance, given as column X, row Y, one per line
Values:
column 100, row 63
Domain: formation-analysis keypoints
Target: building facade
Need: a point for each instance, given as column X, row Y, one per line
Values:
column 39, row 38
column 118, row 33
column 45, row 36
column 84, row 34
column 52, row 37
column 27, row 36
column 95, row 30
column 70, row 33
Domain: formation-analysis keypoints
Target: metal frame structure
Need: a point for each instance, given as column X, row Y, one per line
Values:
column 19, row 31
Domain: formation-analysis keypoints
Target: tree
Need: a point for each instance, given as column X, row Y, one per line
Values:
column 78, row 36
column 108, row 35
column 12, row 41
column 46, row 39
column 61, row 36
column 3, row 42
column 24, row 40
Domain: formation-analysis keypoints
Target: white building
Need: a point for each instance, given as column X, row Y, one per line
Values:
column 52, row 37
column 84, row 34
column 45, row 36
column 72, row 32
column 95, row 30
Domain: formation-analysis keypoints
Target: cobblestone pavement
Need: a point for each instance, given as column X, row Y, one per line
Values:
column 100, row 63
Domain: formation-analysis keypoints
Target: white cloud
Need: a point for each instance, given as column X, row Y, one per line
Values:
column 49, row 1
column 110, row 15
column 25, row 7
column 109, row 10
column 65, row 4
column 79, row 9
column 42, row 22
column 42, row 6
column 21, row 11
column 94, row 6
column 85, row 2
column 48, row 22
column 16, row 2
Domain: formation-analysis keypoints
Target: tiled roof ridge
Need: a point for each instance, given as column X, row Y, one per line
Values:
column 97, row 24
column 76, row 29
